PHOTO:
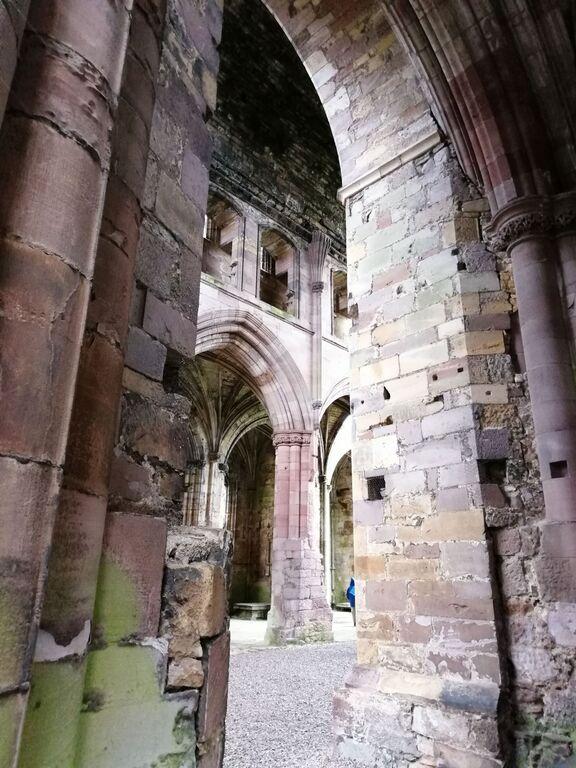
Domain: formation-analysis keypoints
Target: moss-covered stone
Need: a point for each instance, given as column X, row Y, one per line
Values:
column 117, row 613
column 11, row 708
column 49, row 736
column 133, row 726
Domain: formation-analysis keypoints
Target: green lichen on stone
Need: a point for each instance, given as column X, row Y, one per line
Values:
column 49, row 736
column 11, row 631
column 544, row 743
column 176, row 761
column 117, row 611
column 136, row 727
column 10, row 712
column 315, row 632
column 93, row 700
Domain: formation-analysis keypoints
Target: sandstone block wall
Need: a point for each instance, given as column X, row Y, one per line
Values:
column 153, row 448
column 428, row 355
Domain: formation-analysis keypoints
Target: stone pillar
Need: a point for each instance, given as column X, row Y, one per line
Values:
column 65, row 625
column 327, row 553
column 317, row 257
column 214, row 481
column 191, row 501
column 250, row 258
column 538, row 233
column 54, row 160
column 427, row 356
column 13, row 14
column 317, row 293
column 299, row 611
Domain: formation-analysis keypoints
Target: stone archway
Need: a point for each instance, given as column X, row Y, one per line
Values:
column 491, row 80
column 257, row 356
column 298, row 607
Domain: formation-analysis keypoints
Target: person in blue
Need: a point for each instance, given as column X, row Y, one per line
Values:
column 351, row 597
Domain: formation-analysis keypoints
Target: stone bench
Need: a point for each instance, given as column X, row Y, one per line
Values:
column 251, row 611
column 342, row 607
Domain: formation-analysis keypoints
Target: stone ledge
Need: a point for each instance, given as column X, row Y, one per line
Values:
column 389, row 166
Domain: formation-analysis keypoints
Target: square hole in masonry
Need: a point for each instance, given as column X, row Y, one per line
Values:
column 558, row 469
column 376, row 487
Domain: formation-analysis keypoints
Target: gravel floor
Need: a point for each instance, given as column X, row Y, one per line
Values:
column 279, row 706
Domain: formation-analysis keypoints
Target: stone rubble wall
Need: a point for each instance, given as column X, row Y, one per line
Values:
column 539, row 634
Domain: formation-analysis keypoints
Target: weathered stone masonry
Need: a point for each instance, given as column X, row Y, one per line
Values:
column 466, row 559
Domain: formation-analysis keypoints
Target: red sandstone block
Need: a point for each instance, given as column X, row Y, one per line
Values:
column 386, row 595
column 96, row 32
column 463, row 559
column 131, row 148
column 136, row 544
column 37, row 388
column 74, row 563
column 138, row 88
column 129, row 480
column 452, row 500
column 464, row 600
column 494, row 444
column 52, row 90
column 447, row 421
column 33, row 209
column 94, row 416
column 557, row 578
column 28, row 500
column 559, row 540
column 473, row 633
column 213, row 698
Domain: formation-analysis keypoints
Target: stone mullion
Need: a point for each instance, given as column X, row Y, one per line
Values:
column 54, row 156
column 295, row 493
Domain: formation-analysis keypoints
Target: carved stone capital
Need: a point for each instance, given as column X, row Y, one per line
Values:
column 317, row 287
column 291, row 438
column 535, row 216
column 316, row 405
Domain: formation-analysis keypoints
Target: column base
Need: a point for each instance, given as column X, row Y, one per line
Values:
column 430, row 722
column 300, row 612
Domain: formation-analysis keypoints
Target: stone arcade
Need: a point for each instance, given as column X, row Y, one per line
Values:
column 268, row 304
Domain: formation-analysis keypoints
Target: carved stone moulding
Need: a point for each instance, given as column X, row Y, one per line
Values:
column 291, row 438
column 531, row 217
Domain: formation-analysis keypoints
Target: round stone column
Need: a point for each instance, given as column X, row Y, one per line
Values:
column 539, row 234
column 54, row 161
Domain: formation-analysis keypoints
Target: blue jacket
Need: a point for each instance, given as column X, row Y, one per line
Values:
column 351, row 593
